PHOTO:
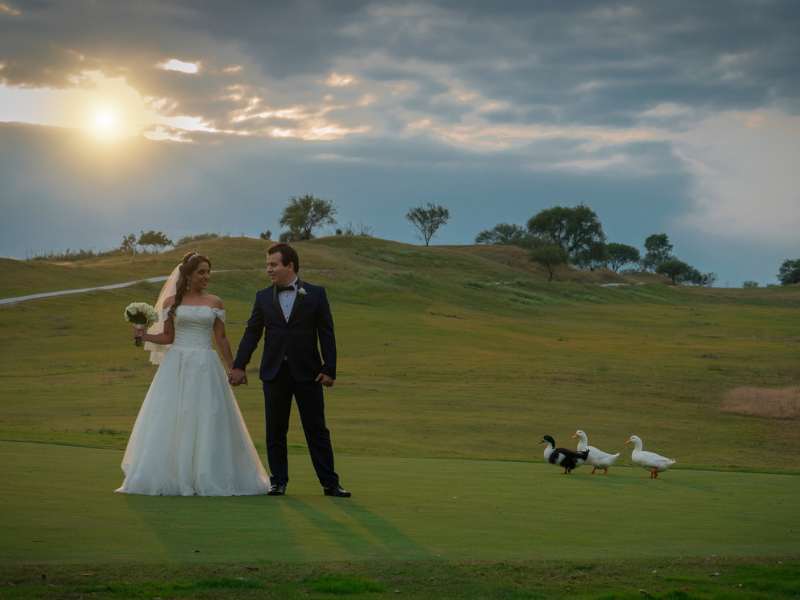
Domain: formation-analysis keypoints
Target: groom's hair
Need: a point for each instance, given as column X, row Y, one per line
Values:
column 288, row 255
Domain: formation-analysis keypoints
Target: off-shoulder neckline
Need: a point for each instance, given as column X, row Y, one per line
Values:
column 199, row 306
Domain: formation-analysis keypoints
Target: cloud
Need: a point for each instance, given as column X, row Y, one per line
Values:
column 692, row 96
column 173, row 64
column 596, row 64
column 744, row 167
column 5, row 9
column 337, row 80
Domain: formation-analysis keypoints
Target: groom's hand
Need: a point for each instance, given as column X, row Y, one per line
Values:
column 324, row 380
column 237, row 377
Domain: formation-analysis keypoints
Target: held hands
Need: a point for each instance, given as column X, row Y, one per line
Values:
column 138, row 332
column 324, row 380
column 237, row 377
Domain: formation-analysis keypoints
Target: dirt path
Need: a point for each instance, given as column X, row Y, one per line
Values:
column 113, row 286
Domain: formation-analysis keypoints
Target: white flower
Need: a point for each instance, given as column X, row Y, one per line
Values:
column 302, row 291
column 140, row 313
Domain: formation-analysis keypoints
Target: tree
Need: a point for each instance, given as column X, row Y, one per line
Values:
column 658, row 249
column 620, row 255
column 157, row 239
column 750, row 284
column 594, row 257
column 577, row 231
column 428, row 219
column 128, row 245
column 549, row 256
column 265, row 235
column 303, row 215
column 502, row 234
column 677, row 270
column 709, row 279
column 789, row 272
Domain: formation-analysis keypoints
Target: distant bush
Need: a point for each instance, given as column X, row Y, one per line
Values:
column 351, row 230
column 72, row 255
column 750, row 284
column 196, row 238
column 265, row 235
column 503, row 234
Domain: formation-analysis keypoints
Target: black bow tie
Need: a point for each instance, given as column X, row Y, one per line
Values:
column 285, row 288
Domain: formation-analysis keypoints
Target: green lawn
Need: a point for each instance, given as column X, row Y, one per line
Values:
column 453, row 363
column 404, row 508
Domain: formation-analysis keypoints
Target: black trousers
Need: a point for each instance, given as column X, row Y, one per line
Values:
column 277, row 407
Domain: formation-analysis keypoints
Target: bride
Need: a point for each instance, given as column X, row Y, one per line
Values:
column 190, row 438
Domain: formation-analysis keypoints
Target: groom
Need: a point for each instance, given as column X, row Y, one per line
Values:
column 295, row 314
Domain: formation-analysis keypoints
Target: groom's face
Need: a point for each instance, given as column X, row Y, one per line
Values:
column 278, row 272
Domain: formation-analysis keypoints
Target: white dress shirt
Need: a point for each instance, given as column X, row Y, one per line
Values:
column 287, row 299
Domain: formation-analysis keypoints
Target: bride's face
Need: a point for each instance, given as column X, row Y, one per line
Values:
column 198, row 281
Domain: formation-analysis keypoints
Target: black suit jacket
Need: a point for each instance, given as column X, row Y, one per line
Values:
column 296, row 340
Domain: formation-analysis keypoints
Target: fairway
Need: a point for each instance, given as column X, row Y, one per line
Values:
column 64, row 511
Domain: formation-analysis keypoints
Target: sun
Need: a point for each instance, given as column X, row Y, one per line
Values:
column 105, row 123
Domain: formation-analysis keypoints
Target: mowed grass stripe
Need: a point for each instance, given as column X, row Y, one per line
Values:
column 61, row 508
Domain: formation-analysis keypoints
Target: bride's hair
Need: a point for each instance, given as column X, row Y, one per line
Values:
column 189, row 264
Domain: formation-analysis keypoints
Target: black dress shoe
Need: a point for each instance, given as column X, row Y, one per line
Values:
column 337, row 491
column 277, row 489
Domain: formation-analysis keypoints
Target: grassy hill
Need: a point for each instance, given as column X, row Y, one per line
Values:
column 454, row 361
column 453, row 351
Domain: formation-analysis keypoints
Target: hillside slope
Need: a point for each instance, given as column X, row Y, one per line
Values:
column 450, row 352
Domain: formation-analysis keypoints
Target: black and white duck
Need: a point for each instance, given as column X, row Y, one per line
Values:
column 563, row 457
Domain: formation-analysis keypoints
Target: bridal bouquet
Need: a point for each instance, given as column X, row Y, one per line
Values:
column 142, row 315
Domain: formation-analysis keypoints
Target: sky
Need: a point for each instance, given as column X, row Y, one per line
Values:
column 677, row 117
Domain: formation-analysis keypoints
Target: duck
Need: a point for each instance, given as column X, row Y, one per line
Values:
column 655, row 463
column 568, row 459
column 597, row 458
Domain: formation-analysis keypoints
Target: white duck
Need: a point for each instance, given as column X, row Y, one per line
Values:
column 655, row 463
column 597, row 458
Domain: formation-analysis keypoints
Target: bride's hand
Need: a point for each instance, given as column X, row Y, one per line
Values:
column 138, row 332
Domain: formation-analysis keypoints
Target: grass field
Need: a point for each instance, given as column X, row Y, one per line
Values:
column 454, row 361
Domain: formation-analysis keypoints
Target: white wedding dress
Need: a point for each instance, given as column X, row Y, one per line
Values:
column 190, row 438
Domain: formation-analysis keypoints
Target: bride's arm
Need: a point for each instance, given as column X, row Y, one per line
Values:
column 221, row 340
column 165, row 338
column 168, row 335
column 223, row 344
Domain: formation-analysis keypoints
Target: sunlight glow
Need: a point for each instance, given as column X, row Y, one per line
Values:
column 106, row 123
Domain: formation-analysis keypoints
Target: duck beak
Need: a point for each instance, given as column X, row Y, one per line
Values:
column 574, row 435
column 627, row 442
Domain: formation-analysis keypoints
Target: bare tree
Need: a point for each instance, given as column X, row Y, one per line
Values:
column 428, row 219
